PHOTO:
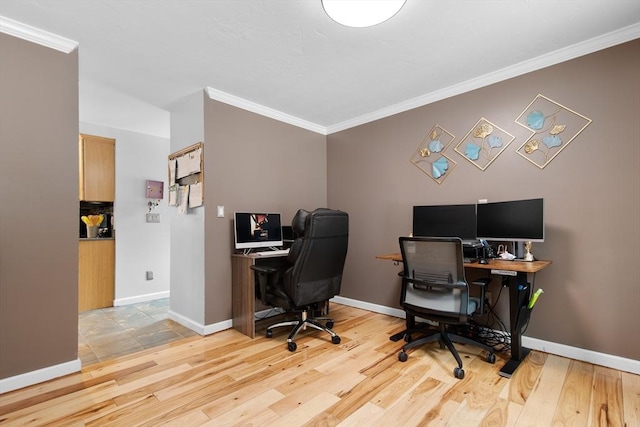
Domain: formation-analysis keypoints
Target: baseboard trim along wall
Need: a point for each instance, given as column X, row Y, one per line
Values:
column 602, row 359
column 199, row 328
column 140, row 298
column 186, row 322
column 39, row 376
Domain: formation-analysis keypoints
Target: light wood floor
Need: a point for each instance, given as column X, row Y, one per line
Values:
column 227, row 379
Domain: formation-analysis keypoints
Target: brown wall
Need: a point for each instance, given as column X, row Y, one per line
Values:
column 591, row 192
column 252, row 162
column 38, row 207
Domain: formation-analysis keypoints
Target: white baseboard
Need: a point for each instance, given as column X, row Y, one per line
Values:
column 40, row 375
column 199, row 328
column 140, row 298
column 602, row 359
column 395, row 312
column 186, row 322
column 217, row 327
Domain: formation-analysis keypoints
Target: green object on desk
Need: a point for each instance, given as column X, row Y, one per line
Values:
column 534, row 298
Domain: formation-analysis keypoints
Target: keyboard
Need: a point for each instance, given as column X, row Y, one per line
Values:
column 278, row 252
column 504, row 272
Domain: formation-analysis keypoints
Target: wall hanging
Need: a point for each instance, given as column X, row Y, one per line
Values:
column 553, row 126
column 186, row 177
column 430, row 157
column 484, row 143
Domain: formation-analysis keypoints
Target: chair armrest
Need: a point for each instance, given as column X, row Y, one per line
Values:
column 434, row 283
column 483, row 283
column 265, row 274
column 264, row 269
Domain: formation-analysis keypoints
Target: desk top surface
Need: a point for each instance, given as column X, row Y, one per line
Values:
column 494, row 264
column 265, row 254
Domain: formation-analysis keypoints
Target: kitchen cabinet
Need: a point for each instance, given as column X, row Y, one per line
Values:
column 97, row 168
column 96, row 273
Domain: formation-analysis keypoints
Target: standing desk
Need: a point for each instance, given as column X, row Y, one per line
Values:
column 519, row 294
column 243, row 289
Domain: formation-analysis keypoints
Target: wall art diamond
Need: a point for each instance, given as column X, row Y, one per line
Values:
column 430, row 157
column 553, row 126
column 484, row 143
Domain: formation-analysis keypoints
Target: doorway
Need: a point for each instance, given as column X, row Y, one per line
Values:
column 111, row 332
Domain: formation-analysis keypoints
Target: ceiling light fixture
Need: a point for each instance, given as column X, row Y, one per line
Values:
column 361, row 13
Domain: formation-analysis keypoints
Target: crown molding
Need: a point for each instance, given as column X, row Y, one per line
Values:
column 236, row 101
column 586, row 47
column 623, row 35
column 36, row 35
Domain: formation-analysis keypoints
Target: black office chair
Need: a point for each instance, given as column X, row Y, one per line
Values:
column 314, row 275
column 434, row 288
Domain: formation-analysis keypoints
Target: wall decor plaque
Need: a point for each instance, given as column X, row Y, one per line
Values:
column 484, row 143
column 553, row 126
column 430, row 157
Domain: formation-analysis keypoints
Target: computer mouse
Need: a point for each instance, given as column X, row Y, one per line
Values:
column 483, row 261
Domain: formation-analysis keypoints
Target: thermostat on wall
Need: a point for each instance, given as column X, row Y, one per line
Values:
column 155, row 189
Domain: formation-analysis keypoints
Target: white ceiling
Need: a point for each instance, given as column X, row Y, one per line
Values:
column 289, row 57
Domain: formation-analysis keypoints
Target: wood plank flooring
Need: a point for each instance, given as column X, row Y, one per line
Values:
column 227, row 379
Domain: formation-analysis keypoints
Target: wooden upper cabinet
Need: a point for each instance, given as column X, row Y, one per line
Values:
column 97, row 168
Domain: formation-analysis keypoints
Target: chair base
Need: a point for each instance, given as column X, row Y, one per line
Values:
column 446, row 339
column 301, row 324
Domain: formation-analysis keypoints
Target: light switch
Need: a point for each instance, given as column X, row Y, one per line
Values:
column 220, row 211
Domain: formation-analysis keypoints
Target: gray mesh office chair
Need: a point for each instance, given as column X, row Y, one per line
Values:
column 314, row 275
column 434, row 288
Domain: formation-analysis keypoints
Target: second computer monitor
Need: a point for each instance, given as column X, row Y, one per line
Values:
column 514, row 220
column 445, row 221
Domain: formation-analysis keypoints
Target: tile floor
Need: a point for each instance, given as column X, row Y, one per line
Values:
column 107, row 333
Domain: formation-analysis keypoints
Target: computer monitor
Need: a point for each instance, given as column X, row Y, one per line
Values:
column 516, row 221
column 257, row 230
column 445, row 221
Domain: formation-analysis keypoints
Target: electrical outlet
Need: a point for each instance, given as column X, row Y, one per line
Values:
column 153, row 217
column 489, row 298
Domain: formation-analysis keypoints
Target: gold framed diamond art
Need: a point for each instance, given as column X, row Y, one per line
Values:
column 430, row 157
column 553, row 126
column 484, row 143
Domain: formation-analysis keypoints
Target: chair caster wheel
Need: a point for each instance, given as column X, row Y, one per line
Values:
column 402, row 356
column 269, row 333
column 491, row 358
column 407, row 337
column 292, row 346
column 458, row 373
column 330, row 324
column 335, row 339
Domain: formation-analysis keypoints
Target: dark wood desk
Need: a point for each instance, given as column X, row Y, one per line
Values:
column 243, row 291
column 519, row 294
